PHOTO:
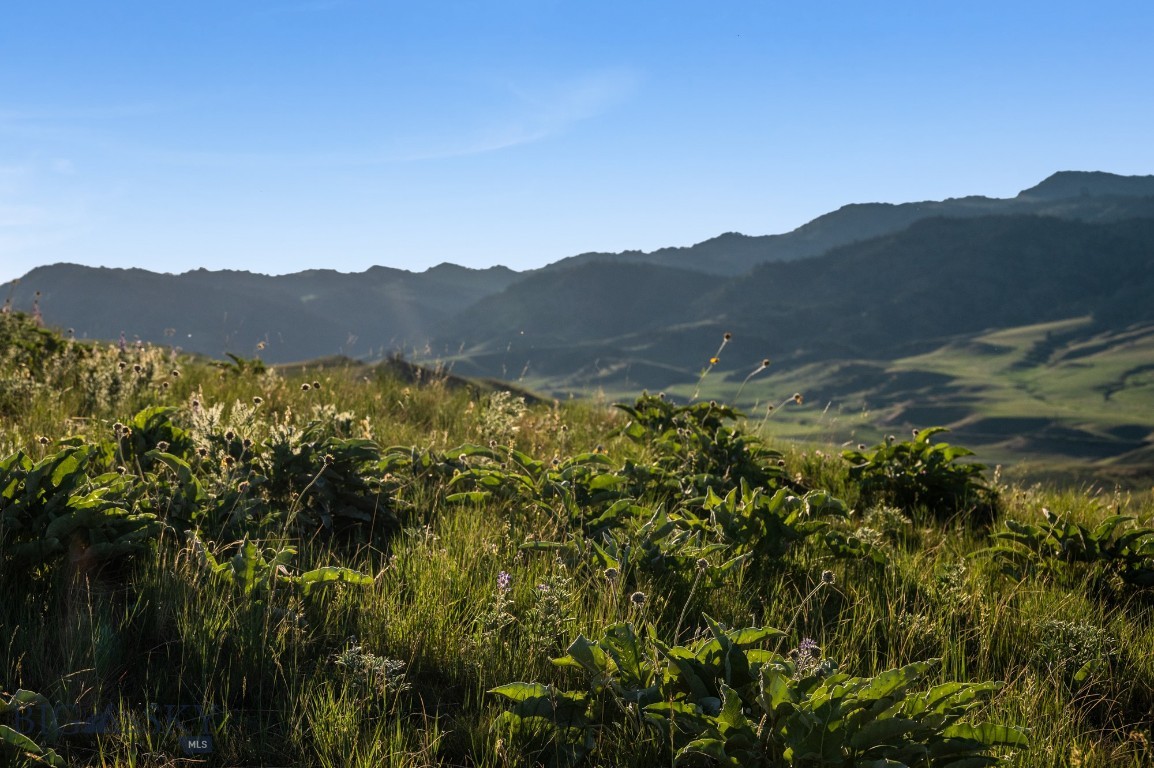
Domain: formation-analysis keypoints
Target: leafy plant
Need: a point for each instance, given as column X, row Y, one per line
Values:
column 1114, row 544
column 922, row 473
column 726, row 698
column 17, row 744
column 52, row 506
column 254, row 573
column 697, row 449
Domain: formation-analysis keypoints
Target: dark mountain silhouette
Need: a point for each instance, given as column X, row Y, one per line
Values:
column 878, row 299
column 868, row 280
column 1069, row 194
column 289, row 317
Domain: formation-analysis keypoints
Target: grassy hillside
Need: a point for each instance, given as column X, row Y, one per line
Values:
column 340, row 566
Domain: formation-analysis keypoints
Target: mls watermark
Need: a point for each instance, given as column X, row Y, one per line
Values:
column 191, row 724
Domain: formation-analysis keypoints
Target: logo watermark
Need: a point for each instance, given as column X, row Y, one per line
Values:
column 191, row 724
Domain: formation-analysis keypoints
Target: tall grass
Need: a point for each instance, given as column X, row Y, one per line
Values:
column 396, row 672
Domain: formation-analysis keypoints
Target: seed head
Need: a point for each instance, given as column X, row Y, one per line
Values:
column 797, row 398
column 637, row 598
column 175, row 373
column 257, row 400
column 305, row 387
column 43, row 440
column 162, row 446
column 827, row 577
column 316, row 385
column 230, row 435
column 612, row 574
column 702, row 564
column 727, row 336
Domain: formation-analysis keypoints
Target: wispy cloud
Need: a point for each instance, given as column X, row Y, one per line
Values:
column 527, row 114
column 545, row 111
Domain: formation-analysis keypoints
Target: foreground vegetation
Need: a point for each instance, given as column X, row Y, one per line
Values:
column 330, row 566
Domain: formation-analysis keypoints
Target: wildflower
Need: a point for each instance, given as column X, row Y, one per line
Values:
column 612, row 574
column 702, row 564
column 727, row 336
column 797, row 398
column 122, row 365
column 203, row 452
column 257, row 400
column 228, row 461
column 162, row 446
column 243, row 487
column 827, row 577
column 230, row 435
column 809, row 648
column 330, row 460
column 121, row 470
column 714, row 360
column 504, row 581
column 316, row 385
column 305, row 387
column 43, row 440
column 637, row 598
column 174, row 373
column 195, row 404
column 137, row 369
column 246, row 443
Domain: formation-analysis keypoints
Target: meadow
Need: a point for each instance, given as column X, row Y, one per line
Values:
column 223, row 563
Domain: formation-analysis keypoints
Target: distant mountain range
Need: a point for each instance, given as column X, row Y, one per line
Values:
column 859, row 286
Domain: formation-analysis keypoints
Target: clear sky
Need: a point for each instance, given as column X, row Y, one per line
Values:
column 282, row 135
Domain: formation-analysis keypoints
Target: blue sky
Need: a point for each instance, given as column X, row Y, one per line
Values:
column 282, row 135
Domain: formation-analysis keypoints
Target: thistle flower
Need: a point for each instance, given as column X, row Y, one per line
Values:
column 827, row 577
column 305, row 387
column 637, row 598
column 316, row 385
column 612, row 574
column 257, row 400
column 230, row 435
column 43, row 440
column 162, row 446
